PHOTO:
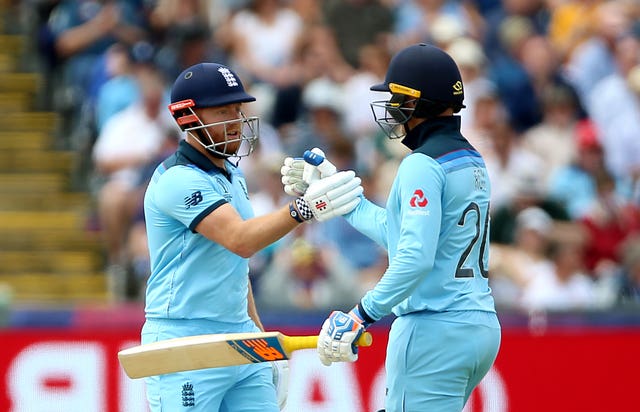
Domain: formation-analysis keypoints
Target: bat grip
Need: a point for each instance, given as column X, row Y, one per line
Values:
column 311, row 342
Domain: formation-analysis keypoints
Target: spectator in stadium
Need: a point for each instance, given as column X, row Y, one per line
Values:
column 316, row 56
column 374, row 24
column 609, row 220
column 120, row 160
column 628, row 277
column 304, row 276
column 261, row 41
column 574, row 185
column 569, row 23
column 468, row 54
column 592, row 59
column 564, row 285
column 320, row 123
column 615, row 110
column 513, row 266
column 121, row 90
column 373, row 60
column 513, row 73
column 136, row 259
column 529, row 14
column 507, row 160
column 552, row 140
column 438, row 22
column 82, row 31
column 265, row 192
column 530, row 191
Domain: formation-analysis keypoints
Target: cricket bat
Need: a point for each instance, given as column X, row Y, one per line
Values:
column 214, row 351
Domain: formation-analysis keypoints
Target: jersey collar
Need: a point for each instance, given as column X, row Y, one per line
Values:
column 439, row 125
column 199, row 159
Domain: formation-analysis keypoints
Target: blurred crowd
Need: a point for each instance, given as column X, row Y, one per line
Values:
column 552, row 95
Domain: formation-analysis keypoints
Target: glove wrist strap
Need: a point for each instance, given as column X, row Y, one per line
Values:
column 300, row 211
column 359, row 313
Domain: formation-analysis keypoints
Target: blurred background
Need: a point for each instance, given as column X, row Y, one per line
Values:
column 552, row 94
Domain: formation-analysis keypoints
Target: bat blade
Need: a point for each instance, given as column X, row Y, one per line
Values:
column 213, row 351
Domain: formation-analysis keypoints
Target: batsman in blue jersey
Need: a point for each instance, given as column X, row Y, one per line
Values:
column 435, row 228
column 201, row 233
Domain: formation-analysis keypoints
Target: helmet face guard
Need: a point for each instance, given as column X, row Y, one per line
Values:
column 191, row 123
column 391, row 115
column 424, row 82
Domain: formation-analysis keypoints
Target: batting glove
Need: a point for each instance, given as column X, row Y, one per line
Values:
column 337, row 339
column 291, row 173
column 298, row 172
column 281, row 381
column 334, row 195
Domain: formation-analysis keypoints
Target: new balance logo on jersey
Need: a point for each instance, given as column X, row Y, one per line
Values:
column 228, row 76
column 188, row 395
column 193, row 200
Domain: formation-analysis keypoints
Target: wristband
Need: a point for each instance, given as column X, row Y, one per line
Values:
column 362, row 316
column 293, row 212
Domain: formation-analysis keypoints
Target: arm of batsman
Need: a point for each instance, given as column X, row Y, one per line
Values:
column 337, row 338
column 333, row 196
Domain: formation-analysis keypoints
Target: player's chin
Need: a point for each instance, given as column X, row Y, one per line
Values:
column 232, row 148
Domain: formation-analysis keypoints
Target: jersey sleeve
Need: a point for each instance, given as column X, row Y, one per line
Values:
column 370, row 220
column 188, row 195
column 417, row 199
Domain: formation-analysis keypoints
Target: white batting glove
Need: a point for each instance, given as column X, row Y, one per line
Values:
column 291, row 173
column 337, row 339
column 281, row 381
column 316, row 166
column 298, row 172
column 334, row 195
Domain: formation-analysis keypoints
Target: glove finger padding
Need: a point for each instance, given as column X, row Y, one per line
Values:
column 292, row 172
column 316, row 166
column 335, row 195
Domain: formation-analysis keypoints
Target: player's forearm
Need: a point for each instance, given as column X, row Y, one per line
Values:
column 257, row 233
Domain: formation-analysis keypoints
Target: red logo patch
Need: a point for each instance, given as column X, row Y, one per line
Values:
column 418, row 199
column 321, row 205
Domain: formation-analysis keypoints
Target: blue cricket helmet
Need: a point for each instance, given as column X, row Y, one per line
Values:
column 426, row 72
column 209, row 85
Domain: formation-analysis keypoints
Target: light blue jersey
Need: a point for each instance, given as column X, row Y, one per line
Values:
column 191, row 276
column 435, row 229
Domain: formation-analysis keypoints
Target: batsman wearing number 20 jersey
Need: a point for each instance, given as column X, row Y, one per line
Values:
column 435, row 228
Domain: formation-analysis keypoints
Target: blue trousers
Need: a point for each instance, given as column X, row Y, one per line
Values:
column 245, row 388
column 436, row 359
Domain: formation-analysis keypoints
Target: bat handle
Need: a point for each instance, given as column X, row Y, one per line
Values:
column 292, row 343
column 366, row 339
